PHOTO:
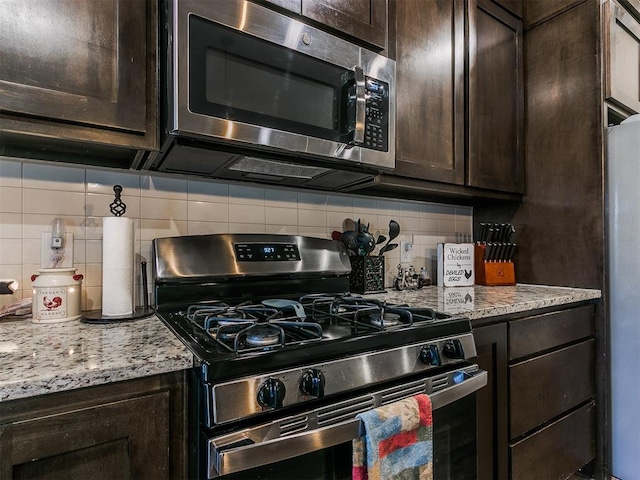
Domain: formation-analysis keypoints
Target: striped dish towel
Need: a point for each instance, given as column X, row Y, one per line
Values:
column 398, row 442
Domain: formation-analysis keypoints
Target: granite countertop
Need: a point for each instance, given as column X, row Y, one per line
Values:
column 36, row 359
column 44, row 358
column 481, row 302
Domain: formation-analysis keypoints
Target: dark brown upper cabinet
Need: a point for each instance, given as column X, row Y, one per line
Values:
column 429, row 51
column 80, row 71
column 495, row 158
column 365, row 20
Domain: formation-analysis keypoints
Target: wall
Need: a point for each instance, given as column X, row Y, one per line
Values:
column 33, row 194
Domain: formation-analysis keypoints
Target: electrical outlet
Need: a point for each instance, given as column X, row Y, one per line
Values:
column 66, row 252
column 405, row 251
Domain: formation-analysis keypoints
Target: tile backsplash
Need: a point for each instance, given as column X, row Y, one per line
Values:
column 32, row 195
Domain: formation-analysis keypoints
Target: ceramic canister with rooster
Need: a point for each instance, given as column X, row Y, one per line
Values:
column 57, row 294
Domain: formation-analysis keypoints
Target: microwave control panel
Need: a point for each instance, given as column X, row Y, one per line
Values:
column 376, row 133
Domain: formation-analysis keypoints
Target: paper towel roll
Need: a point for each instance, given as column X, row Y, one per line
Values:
column 117, row 266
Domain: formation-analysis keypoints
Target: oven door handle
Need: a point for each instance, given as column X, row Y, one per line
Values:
column 244, row 455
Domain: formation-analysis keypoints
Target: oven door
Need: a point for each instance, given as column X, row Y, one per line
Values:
column 287, row 449
column 244, row 74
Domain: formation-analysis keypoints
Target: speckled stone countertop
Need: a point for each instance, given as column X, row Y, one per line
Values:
column 481, row 302
column 37, row 358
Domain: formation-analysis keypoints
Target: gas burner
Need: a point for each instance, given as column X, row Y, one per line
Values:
column 263, row 335
column 388, row 319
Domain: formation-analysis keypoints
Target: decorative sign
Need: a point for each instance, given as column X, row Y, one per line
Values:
column 456, row 300
column 455, row 265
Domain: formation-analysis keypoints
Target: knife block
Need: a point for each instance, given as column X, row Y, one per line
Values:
column 367, row 274
column 493, row 273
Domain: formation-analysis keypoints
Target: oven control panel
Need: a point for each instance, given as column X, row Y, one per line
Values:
column 237, row 399
column 266, row 252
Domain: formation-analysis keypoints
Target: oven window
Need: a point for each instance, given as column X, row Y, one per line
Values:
column 239, row 77
column 455, row 452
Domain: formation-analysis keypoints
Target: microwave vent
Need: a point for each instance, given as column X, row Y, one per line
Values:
column 262, row 166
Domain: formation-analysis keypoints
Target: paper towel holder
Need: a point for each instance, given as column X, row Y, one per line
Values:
column 143, row 311
column 118, row 208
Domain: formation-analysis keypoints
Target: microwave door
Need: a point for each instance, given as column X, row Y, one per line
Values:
column 237, row 77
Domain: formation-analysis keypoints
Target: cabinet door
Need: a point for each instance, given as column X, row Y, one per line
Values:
column 430, row 90
column 622, row 57
column 363, row 19
column 125, row 439
column 496, row 99
column 491, row 345
column 79, row 64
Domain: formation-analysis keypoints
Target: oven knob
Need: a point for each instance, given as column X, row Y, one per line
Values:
column 453, row 349
column 312, row 383
column 429, row 355
column 271, row 393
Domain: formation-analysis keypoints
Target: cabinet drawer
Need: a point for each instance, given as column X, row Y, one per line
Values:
column 622, row 56
column 544, row 387
column 542, row 332
column 557, row 450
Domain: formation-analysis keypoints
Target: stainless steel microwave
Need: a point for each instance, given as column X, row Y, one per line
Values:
column 252, row 94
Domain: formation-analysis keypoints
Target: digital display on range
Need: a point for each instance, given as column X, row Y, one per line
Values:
column 266, row 252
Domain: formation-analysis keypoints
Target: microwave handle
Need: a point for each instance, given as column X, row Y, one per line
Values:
column 358, row 137
column 224, row 461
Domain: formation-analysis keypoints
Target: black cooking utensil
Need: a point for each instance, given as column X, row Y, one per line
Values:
column 394, row 231
column 388, row 247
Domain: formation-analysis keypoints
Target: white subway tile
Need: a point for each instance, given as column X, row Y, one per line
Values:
column 446, row 226
column 93, row 251
column 282, row 229
column 207, row 228
column 389, row 207
column 14, row 272
column 200, row 191
column 429, row 210
column 10, row 251
column 33, row 225
column 10, row 173
column 310, row 231
column 340, row 203
column 312, row 218
column 53, row 177
column 365, row 206
column 92, row 298
column 103, row 181
column 163, row 208
column 28, row 270
column 312, row 201
column 410, row 209
column 281, row 198
column 53, row 202
column 207, row 212
column 163, row 187
column 246, row 213
column 246, row 195
column 246, row 228
column 92, row 275
column 32, row 252
column 10, row 199
column 150, row 229
column 79, row 251
column 281, row 216
column 10, row 225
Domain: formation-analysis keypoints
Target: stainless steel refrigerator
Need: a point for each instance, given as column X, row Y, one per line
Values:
column 623, row 217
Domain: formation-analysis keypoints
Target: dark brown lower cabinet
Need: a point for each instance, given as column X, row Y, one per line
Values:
column 536, row 416
column 131, row 429
column 491, row 345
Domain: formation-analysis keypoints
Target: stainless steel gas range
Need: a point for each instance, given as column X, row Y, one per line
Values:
column 286, row 357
